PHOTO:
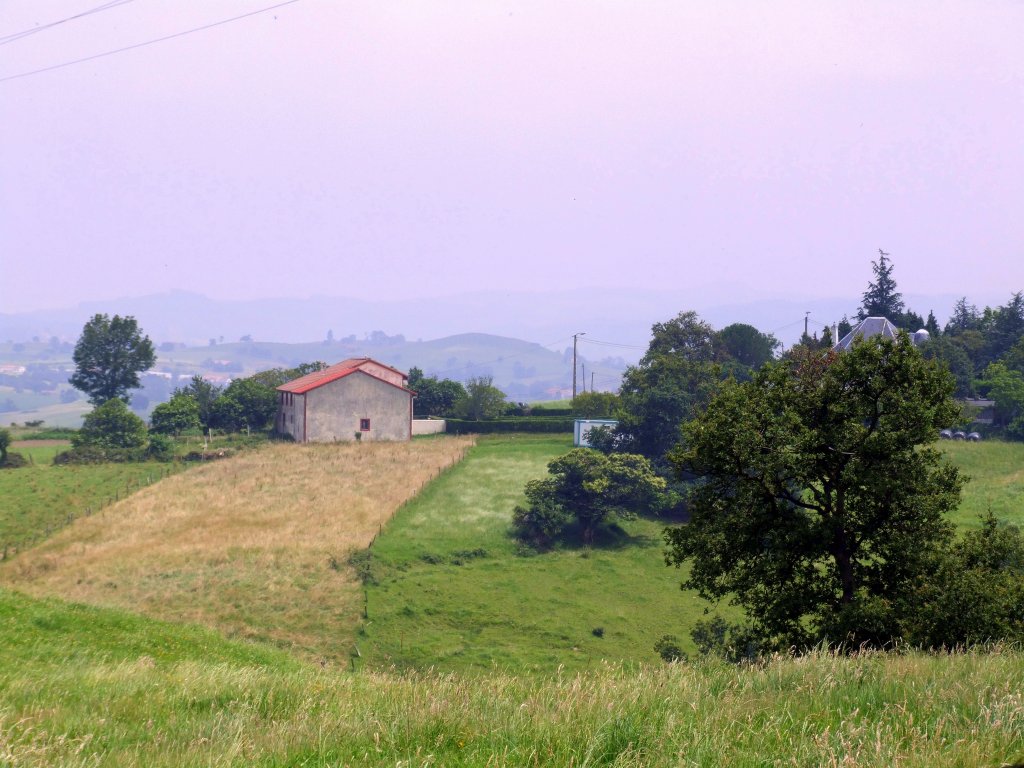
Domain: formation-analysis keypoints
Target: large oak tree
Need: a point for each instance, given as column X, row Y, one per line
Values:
column 109, row 356
column 819, row 506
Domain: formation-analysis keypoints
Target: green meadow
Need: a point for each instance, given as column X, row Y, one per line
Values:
column 450, row 589
column 996, row 480
column 41, row 498
column 476, row 652
column 97, row 687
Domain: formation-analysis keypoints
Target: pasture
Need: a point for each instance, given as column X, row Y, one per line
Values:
column 255, row 546
column 84, row 686
column 450, row 589
column 996, row 472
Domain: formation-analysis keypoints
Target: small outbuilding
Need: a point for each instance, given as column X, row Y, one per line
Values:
column 356, row 399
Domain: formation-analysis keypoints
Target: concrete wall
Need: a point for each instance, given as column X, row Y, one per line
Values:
column 428, row 426
column 333, row 411
column 290, row 414
column 383, row 372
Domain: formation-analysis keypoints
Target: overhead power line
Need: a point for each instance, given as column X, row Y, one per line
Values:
column 5, row 39
column 147, row 42
column 611, row 344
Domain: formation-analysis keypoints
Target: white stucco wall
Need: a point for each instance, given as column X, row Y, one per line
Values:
column 334, row 410
column 428, row 426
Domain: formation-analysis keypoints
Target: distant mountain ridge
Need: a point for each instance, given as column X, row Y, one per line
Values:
column 617, row 316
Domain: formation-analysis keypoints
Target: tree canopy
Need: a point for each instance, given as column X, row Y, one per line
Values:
column 111, row 427
column 672, row 382
column 881, row 299
column 818, row 500
column 109, row 356
column 587, row 487
column 434, row 397
column 483, row 400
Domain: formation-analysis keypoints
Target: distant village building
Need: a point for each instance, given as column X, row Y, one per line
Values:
column 877, row 326
column 356, row 399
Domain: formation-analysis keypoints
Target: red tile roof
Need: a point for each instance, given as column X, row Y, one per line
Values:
column 334, row 372
column 355, row 362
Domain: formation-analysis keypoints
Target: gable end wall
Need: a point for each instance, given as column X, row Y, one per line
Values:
column 334, row 410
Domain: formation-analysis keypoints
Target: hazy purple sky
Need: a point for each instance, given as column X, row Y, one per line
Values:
column 725, row 150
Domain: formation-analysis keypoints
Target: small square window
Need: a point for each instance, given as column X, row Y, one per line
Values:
column 364, row 425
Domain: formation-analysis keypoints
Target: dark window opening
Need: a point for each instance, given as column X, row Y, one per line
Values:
column 364, row 425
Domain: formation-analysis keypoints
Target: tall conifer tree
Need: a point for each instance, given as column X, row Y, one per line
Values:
column 881, row 299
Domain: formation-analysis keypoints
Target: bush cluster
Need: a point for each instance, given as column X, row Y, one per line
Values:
column 516, row 424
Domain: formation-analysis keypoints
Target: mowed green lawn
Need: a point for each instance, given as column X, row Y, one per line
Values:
column 996, row 472
column 455, row 591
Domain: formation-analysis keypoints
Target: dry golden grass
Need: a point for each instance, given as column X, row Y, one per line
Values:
column 255, row 546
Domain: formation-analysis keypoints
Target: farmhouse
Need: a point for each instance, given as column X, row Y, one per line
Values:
column 356, row 399
column 877, row 326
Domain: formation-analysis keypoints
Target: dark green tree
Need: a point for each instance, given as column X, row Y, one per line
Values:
column 483, row 400
column 1005, row 327
column 275, row 377
column 5, row 443
column 975, row 593
column 245, row 403
column 205, row 394
column 670, row 384
column 177, row 415
column 950, row 353
column 1006, row 387
column 965, row 317
column 881, row 299
column 111, row 427
column 434, row 397
column 932, row 325
column 109, row 356
column 746, row 345
column 819, row 501
column 595, row 405
column 588, row 487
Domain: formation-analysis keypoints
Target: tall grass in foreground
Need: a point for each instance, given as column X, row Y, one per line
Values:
column 215, row 703
column 255, row 545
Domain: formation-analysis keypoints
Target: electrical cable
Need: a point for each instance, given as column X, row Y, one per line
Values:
column 5, row 39
column 147, row 42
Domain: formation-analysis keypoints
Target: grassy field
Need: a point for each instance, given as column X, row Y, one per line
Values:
column 454, row 591
column 94, row 687
column 38, row 499
column 996, row 470
column 255, row 545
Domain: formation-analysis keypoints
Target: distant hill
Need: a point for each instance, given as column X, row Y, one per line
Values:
column 619, row 316
column 34, row 374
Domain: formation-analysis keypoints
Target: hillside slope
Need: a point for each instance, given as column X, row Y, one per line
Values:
column 89, row 687
column 255, row 546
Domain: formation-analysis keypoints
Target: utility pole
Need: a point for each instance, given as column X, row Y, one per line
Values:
column 584, row 365
column 574, row 337
column 806, row 315
column 591, row 382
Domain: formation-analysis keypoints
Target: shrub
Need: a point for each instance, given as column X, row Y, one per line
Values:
column 362, row 562
column 160, row 448
column 13, row 460
column 668, row 648
column 541, row 424
column 540, row 523
column 111, row 427
column 733, row 642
